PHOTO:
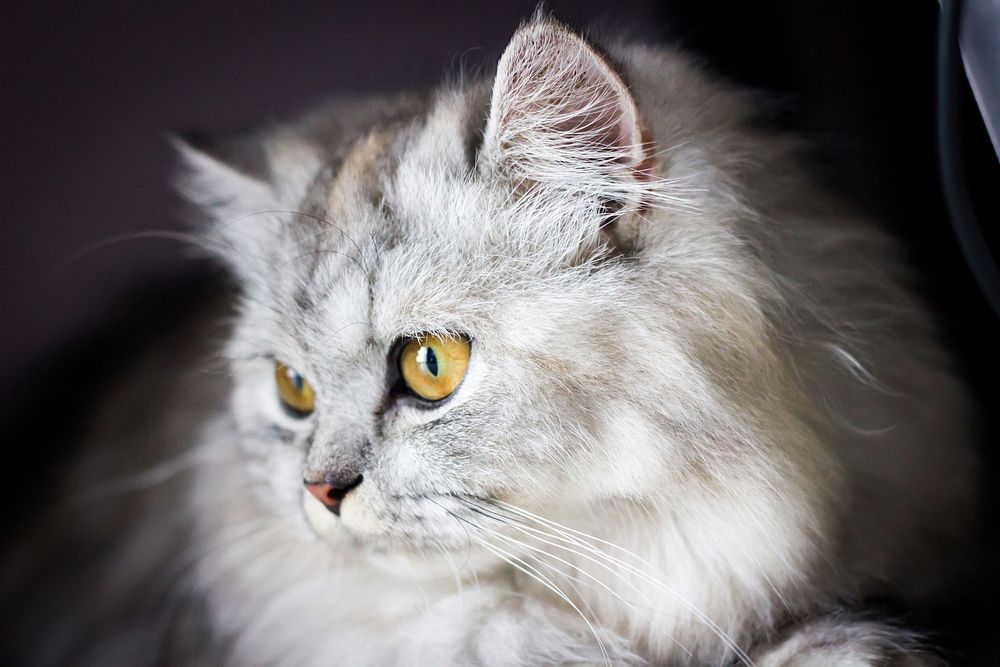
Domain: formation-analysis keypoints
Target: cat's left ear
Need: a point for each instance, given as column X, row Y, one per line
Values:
column 562, row 118
column 242, row 184
column 223, row 177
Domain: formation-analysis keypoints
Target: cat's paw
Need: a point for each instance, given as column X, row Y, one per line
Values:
column 839, row 641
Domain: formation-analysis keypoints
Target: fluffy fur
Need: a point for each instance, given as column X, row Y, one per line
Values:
column 705, row 416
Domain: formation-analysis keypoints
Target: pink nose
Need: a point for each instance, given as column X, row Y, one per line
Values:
column 329, row 494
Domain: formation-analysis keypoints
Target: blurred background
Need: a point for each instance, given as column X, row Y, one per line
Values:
column 91, row 90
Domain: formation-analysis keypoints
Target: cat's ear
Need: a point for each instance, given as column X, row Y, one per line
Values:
column 223, row 177
column 561, row 117
column 236, row 184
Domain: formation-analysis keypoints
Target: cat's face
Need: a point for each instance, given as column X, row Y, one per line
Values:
column 545, row 343
column 510, row 262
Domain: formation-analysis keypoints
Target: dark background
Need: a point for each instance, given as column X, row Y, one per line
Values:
column 90, row 90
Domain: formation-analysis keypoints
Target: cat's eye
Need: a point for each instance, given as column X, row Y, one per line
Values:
column 295, row 392
column 433, row 366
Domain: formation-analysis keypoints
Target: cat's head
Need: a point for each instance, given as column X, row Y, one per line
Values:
column 502, row 293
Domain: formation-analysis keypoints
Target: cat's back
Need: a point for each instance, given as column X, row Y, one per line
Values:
column 845, row 311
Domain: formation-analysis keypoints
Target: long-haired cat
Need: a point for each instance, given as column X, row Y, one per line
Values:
column 573, row 365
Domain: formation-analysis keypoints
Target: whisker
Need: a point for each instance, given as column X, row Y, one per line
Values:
column 533, row 572
column 144, row 480
column 468, row 553
column 600, row 583
column 537, row 576
column 568, row 536
column 451, row 566
column 195, row 240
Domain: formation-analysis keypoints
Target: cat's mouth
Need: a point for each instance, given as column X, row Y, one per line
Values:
column 404, row 522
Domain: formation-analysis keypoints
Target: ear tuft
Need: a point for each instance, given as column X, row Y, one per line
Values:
column 561, row 116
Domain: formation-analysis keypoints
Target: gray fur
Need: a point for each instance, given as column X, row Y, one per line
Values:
column 697, row 421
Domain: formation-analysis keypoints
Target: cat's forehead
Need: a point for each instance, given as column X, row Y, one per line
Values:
column 408, row 180
column 405, row 225
column 419, row 239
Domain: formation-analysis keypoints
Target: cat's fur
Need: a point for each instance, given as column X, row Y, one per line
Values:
column 705, row 415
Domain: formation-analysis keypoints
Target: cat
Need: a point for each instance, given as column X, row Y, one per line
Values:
column 573, row 364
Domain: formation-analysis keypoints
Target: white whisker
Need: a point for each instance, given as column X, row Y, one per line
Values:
column 533, row 572
column 538, row 550
column 643, row 575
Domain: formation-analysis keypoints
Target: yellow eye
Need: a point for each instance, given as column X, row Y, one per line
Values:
column 295, row 392
column 433, row 367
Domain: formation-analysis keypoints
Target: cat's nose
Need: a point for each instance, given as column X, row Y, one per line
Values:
column 331, row 492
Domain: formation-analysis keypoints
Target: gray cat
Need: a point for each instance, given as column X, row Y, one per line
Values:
column 570, row 366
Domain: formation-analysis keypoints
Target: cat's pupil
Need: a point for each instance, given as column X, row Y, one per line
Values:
column 296, row 380
column 431, row 362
